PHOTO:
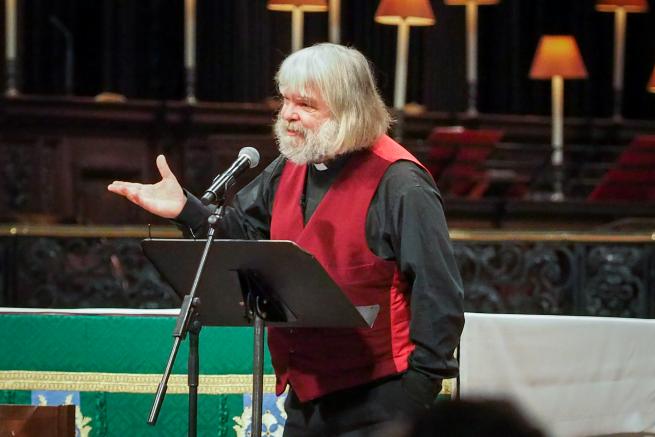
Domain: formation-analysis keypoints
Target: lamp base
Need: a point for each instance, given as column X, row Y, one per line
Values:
column 556, row 197
column 617, row 119
column 472, row 113
column 11, row 89
column 399, row 125
column 558, row 184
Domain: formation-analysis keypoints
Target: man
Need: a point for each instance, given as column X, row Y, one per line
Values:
column 372, row 216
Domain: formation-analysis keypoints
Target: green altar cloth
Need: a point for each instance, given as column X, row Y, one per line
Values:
column 110, row 365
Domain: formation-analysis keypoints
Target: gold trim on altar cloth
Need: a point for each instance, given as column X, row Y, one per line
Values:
column 126, row 382
column 136, row 382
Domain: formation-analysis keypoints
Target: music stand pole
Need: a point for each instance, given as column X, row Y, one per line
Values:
column 193, row 370
column 256, row 306
column 257, row 376
column 188, row 311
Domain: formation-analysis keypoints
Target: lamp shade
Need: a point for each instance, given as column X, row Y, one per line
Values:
column 651, row 82
column 558, row 55
column 628, row 5
column 412, row 12
column 463, row 2
column 304, row 5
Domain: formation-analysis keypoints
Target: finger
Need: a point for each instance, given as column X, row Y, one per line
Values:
column 164, row 169
column 131, row 191
column 124, row 188
column 115, row 184
column 121, row 191
column 120, row 186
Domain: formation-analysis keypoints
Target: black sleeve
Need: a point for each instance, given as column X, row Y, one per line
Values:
column 406, row 223
column 249, row 214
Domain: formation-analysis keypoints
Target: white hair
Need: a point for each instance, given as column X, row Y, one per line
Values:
column 344, row 80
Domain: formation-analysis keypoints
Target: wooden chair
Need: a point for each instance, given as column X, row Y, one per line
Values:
column 37, row 421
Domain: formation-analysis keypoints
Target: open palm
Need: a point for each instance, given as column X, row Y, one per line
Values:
column 164, row 198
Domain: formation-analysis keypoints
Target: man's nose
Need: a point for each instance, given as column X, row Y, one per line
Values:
column 289, row 113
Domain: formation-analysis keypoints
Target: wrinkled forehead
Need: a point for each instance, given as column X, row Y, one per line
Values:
column 306, row 93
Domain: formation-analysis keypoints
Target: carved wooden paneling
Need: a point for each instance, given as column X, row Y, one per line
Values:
column 58, row 154
column 34, row 181
column 615, row 281
column 522, row 277
column 204, row 160
column 86, row 273
column 558, row 278
column 4, row 269
column 96, row 162
column 517, row 277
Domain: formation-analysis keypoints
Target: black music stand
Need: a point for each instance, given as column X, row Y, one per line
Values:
column 251, row 282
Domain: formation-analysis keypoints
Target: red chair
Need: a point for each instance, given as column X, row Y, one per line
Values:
column 626, row 184
column 463, row 174
column 643, row 141
column 633, row 178
column 640, row 152
column 637, row 157
column 442, row 150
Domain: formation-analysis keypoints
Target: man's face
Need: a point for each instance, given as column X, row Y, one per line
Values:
column 305, row 128
column 308, row 112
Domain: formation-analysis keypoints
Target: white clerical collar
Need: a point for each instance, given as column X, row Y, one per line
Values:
column 320, row 166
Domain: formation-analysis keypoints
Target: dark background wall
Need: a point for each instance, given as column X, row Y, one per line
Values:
column 136, row 48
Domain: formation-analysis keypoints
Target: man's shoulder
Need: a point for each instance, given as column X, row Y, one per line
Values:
column 277, row 163
column 274, row 169
column 406, row 179
column 407, row 188
column 388, row 149
column 404, row 172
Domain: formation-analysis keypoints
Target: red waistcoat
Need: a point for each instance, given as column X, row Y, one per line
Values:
column 319, row 361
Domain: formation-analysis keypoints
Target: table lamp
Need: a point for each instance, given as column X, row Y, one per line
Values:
column 557, row 58
column 471, row 48
column 403, row 13
column 297, row 9
column 620, row 8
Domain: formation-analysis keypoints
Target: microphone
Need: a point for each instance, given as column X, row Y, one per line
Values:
column 248, row 158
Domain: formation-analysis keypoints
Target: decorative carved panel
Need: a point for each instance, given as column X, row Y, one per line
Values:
column 87, row 273
column 615, row 281
column 4, row 267
column 557, row 278
column 524, row 277
column 205, row 159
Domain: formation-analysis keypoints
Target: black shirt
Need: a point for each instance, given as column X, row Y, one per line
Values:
column 405, row 222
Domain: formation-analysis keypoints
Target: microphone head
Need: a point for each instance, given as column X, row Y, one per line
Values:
column 252, row 154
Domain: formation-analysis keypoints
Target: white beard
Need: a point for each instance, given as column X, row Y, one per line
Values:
column 311, row 146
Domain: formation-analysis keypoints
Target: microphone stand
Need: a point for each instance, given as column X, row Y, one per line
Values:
column 187, row 322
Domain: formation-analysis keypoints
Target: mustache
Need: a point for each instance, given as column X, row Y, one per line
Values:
column 293, row 126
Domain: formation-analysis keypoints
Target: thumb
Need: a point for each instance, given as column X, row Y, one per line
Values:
column 164, row 169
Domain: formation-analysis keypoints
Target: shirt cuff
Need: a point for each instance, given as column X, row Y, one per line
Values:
column 193, row 215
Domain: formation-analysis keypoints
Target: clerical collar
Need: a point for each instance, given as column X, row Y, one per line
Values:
column 333, row 164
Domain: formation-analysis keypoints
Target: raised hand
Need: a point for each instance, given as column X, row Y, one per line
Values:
column 165, row 198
